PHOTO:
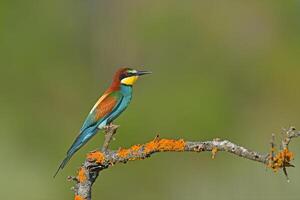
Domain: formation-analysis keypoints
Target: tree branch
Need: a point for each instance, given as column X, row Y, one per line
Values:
column 97, row 161
column 109, row 131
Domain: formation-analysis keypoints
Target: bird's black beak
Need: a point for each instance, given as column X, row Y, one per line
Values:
column 141, row 73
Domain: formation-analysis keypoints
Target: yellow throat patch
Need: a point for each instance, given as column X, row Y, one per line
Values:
column 129, row 80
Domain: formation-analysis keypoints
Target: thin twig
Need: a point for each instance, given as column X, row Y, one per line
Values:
column 109, row 131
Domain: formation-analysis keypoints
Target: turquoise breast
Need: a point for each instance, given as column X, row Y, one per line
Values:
column 127, row 96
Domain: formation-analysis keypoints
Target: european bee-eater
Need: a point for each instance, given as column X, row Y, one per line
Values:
column 109, row 106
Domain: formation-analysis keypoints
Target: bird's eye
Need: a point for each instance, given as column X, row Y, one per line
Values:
column 127, row 74
column 124, row 75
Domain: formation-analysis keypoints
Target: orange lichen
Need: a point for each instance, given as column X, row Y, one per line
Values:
column 282, row 159
column 135, row 148
column 171, row 145
column 123, row 153
column 77, row 197
column 81, row 177
column 164, row 145
column 150, row 147
column 214, row 152
column 96, row 156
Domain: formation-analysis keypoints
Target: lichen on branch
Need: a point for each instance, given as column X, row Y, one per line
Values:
column 97, row 161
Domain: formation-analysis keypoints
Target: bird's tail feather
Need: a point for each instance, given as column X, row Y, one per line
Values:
column 62, row 164
column 82, row 138
column 70, row 153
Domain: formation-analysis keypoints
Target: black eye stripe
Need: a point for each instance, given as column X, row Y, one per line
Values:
column 126, row 74
column 123, row 75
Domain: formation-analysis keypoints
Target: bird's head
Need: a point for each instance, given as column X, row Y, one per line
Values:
column 128, row 76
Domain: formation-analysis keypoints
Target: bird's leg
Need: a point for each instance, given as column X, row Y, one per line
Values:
column 109, row 130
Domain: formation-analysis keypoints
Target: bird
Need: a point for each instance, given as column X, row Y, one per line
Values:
column 109, row 106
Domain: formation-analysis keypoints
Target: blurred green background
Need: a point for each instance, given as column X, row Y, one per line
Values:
column 227, row 69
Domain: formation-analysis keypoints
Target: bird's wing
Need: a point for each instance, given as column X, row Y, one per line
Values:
column 102, row 109
column 104, row 106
